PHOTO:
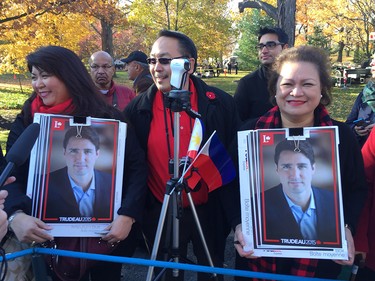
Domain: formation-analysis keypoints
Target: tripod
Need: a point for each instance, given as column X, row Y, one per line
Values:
column 177, row 101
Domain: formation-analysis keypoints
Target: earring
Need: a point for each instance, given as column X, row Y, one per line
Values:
column 321, row 96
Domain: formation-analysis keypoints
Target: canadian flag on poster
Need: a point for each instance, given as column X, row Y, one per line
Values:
column 213, row 164
column 372, row 36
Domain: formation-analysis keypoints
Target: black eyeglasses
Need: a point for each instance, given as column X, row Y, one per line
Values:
column 96, row 67
column 162, row 60
column 270, row 45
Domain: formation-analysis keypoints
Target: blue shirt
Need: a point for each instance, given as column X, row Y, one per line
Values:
column 85, row 200
column 307, row 220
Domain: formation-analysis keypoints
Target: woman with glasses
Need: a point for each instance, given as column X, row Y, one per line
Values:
column 66, row 88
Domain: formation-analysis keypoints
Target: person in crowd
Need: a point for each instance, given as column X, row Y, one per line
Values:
column 152, row 118
column 364, row 238
column 229, row 67
column 236, row 67
column 138, row 72
column 78, row 189
column 364, row 109
column 3, row 215
column 300, row 87
column 295, row 208
column 102, row 70
column 3, row 195
column 67, row 88
column 251, row 96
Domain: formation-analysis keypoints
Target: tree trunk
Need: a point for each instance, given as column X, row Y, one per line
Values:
column 286, row 10
column 284, row 14
column 107, row 39
column 340, row 51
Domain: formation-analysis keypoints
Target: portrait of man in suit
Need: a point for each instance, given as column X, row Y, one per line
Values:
column 295, row 209
column 78, row 189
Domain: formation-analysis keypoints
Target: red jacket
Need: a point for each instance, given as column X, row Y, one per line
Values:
column 364, row 239
column 119, row 96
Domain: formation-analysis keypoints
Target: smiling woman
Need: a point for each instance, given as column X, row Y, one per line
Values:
column 300, row 86
column 67, row 89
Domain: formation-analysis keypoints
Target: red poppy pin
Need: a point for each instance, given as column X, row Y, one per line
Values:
column 211, row 95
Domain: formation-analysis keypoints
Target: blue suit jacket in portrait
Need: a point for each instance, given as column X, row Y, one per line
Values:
column 280, row 222
column 61, row 201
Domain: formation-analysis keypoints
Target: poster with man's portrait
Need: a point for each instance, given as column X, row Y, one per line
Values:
column 76, row 172
column 291, row 199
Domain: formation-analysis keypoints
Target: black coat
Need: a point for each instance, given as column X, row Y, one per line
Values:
column 251, row 96
column 218, row 112
column 61, row 201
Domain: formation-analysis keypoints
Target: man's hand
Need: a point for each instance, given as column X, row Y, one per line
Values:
column 29, row 229
column 351, row 249
column 363, row 131
column 239, row 243
column 10, row 180
column 119, row 229
column 3, row 224
column 3, row 195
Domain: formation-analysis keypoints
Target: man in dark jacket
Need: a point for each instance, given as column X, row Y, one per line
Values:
column 153, row 122
column 138, row 72
column 251, row 97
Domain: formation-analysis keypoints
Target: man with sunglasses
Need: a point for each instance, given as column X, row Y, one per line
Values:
column 153, row 123
column 102, row 70
column 251, row 95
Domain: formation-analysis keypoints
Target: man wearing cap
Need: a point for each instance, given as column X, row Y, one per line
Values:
column 102, row 69
column 138, row 71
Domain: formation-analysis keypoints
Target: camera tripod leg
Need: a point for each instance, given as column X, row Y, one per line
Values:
column 199, row 227
column 159, row 231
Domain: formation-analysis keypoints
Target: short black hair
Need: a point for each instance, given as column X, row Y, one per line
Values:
column 281, row 35
column 299, row 146
column 84, row 132
column 187, row 46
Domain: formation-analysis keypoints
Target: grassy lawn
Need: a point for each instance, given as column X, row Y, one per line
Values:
column 15, row 90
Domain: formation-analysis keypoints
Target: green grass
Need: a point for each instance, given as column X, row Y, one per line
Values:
column 13, row 93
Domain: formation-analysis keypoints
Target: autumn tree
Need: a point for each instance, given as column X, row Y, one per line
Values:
column 207, row 22
column 249, row 26
column 283, row 13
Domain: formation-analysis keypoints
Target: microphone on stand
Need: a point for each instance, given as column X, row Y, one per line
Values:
column 20, row 150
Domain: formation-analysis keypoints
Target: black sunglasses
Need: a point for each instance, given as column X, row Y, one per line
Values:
column 270, row 45
column 162, row 60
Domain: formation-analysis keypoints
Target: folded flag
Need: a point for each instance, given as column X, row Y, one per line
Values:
column 213, row 164
column 195, row 139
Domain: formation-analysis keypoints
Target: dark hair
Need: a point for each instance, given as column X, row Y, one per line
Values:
column 314, row 55
column 299, row 146
column 67, row 66
column 187, row 46
column 85, row 132
column 281, row 35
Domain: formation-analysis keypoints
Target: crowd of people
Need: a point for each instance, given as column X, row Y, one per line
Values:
column 291, row 89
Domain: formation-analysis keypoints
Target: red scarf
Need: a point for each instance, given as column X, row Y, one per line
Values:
column 37, row 106
column 272, row 118
column 297, row 266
